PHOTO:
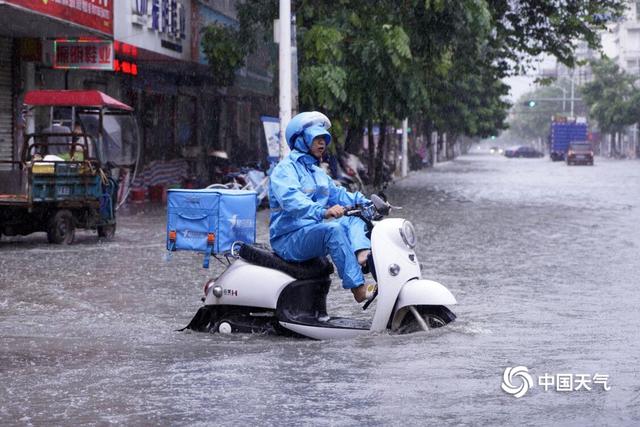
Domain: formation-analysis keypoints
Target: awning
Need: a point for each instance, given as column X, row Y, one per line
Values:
column 77, row 98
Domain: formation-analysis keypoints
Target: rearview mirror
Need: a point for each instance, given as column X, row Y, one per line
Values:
column 381, row 206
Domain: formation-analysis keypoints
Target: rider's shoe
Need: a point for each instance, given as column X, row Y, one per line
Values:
column 364, row 292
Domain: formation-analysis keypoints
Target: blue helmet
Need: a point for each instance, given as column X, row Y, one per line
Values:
column 304, row 127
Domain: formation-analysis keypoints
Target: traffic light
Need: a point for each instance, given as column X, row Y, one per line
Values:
column 531, row 103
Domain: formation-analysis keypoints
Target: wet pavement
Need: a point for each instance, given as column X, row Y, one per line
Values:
column 543, row 259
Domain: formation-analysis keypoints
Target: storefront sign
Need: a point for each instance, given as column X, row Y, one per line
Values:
column 166, row 17
column 95, row 14
column 83, row 54
column 272, row 135
column 126, row 56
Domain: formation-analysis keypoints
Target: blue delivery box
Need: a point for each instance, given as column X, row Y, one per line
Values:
column 210, row 220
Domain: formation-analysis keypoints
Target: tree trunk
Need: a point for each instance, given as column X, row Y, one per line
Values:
column 379, row 165
column 391, row 151
column 372, row 150
column 451, row 143
column 353, row 141
column 429, row 143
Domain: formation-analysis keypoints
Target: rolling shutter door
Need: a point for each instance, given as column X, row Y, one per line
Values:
column 6, row 110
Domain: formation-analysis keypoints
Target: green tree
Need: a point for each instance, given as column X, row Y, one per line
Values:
column 532, row 122
column 613, row 100
column 526, row 29
column 438, row 61
column 225, row 51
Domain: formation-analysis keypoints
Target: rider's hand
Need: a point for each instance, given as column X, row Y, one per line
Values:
column 335, row 211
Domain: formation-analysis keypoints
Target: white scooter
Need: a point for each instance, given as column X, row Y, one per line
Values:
column 261, row 293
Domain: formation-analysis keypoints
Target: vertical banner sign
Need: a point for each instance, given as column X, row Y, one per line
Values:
column 155, row 15
column 166, row 17
column 83, row 54
column 272, row 134
column 94, row 14
column 139, row 12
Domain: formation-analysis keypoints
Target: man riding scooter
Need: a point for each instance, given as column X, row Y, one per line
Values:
column 302, row 196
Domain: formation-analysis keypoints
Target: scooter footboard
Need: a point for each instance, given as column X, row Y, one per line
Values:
column 424, row 292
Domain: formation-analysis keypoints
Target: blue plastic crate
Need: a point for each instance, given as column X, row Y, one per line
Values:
column 210, row 220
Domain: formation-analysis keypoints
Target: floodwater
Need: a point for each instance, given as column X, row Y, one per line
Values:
column 543, row 259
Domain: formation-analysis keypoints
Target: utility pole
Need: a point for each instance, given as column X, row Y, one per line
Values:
column 284, row 65
column 572, row 98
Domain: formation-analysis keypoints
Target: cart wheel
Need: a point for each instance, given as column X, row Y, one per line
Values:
column 61, row 230
column 107, row 231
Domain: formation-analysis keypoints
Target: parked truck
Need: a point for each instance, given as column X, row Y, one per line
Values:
column 564, row 131
column 76, row 162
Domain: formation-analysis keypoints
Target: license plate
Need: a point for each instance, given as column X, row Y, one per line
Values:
column 580, row 157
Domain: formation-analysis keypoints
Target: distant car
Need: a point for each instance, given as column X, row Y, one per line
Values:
column 580, row 153
column 495, row 150
column 522, row 151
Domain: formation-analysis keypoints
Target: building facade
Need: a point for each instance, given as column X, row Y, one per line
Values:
column 28, row 33
column 158, row 68
column 622, row 42
column 232, row 114
column 182, row 114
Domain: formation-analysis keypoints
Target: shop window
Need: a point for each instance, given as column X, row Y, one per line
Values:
column 186, row 121
column 158, row 127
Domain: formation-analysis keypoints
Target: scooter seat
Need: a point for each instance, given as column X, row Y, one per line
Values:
column 316, row 267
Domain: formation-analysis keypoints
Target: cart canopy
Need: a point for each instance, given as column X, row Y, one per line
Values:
column 73, row 98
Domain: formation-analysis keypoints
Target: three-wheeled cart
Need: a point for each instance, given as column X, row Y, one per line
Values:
column 74, row 167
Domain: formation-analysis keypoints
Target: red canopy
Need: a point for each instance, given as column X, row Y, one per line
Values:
column 73, row 98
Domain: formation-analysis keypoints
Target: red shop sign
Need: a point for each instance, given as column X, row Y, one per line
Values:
column 83, row 54
column 95, row 14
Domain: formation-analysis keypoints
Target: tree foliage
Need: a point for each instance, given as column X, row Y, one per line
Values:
column 530, row 123
column 613, row 100
column 225, row 52
column 551, row 99
column 440, row 62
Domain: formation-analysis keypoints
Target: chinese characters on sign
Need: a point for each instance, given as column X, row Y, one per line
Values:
column 95, row 14
column 92, row 7
column 83, row 54
column 167, row 17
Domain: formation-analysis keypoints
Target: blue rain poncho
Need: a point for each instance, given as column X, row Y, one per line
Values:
column 299, row 195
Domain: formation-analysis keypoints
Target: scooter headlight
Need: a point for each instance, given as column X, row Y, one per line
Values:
column 408, row 234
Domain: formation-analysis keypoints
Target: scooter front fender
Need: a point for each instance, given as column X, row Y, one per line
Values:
column 424, row 292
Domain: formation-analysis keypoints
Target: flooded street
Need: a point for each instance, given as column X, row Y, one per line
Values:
column 542, row 258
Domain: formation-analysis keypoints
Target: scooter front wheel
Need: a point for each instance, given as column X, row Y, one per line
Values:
column 422, row 318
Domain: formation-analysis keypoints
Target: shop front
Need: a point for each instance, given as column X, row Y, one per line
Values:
column 28, row 33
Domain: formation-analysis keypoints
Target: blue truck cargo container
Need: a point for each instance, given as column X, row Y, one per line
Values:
column 563, row 133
